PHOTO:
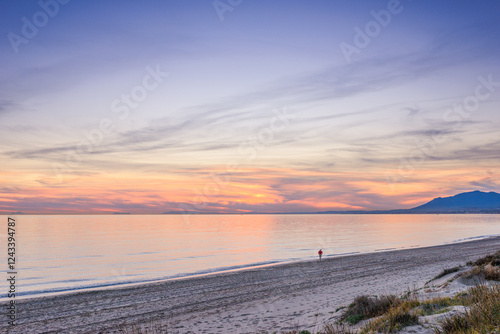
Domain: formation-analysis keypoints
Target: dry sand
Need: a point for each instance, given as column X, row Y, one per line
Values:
column 301, row 295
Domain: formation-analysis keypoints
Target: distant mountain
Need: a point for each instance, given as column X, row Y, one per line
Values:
column 470, row 202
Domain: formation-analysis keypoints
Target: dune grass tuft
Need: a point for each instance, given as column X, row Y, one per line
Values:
column 483, row 315
column 153, row 327
column 365, row 307
column 487, row 267
column 447, row 271
column 493, row 259
column 336, row 329
column 436, row 305
column 328, row 329
column 395, row 318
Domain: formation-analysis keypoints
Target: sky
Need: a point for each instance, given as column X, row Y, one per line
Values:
column 238, row 106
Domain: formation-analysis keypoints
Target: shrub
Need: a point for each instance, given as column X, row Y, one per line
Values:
column 365, row 307
column 491, row 272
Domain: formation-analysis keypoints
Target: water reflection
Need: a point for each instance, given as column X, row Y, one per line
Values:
column 64, row 252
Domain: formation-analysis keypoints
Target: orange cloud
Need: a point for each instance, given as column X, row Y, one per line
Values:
column 212, row 189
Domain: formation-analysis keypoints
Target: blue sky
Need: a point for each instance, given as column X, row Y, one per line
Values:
column 381, row 128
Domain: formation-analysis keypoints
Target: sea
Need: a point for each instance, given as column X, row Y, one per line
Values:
column 58, row 254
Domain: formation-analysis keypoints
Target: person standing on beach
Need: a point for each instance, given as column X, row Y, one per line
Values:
column 320, row 253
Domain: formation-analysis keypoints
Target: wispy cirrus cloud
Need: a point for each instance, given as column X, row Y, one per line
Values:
column 352, row 122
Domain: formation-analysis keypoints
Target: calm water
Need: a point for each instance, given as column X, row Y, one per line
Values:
column 62, row 253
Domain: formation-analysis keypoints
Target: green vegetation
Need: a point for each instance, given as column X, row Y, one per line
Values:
column 487, row 267
column 153, row 327
column 434, row 308
column 365, row 307
column 328, row 329
column 447, row 271
column 394, row 320
column 489, row 259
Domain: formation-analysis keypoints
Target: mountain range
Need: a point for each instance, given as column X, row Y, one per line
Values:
column 468, row 202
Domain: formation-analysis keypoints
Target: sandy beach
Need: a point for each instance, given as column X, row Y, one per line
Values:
column 301, row 295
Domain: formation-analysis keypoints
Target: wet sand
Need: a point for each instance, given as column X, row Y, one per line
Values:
column 301, row 295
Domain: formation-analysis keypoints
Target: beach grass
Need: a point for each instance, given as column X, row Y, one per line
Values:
column 328, row 329
column 481, row 316
column 493, row 259
column 152, row 327
column 394, row 320
column 487, row 268
column 365, row 307
column 447, row 271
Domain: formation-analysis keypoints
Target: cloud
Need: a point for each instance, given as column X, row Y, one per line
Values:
column 412, row 111
column 487, row 152
column 6, row 106
column 329, row 84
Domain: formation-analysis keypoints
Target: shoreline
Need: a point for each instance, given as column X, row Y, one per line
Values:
column 246, row 301
column 224, row 270
column 254, row 213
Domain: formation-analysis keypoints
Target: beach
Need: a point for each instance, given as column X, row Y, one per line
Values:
column 301, row 295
